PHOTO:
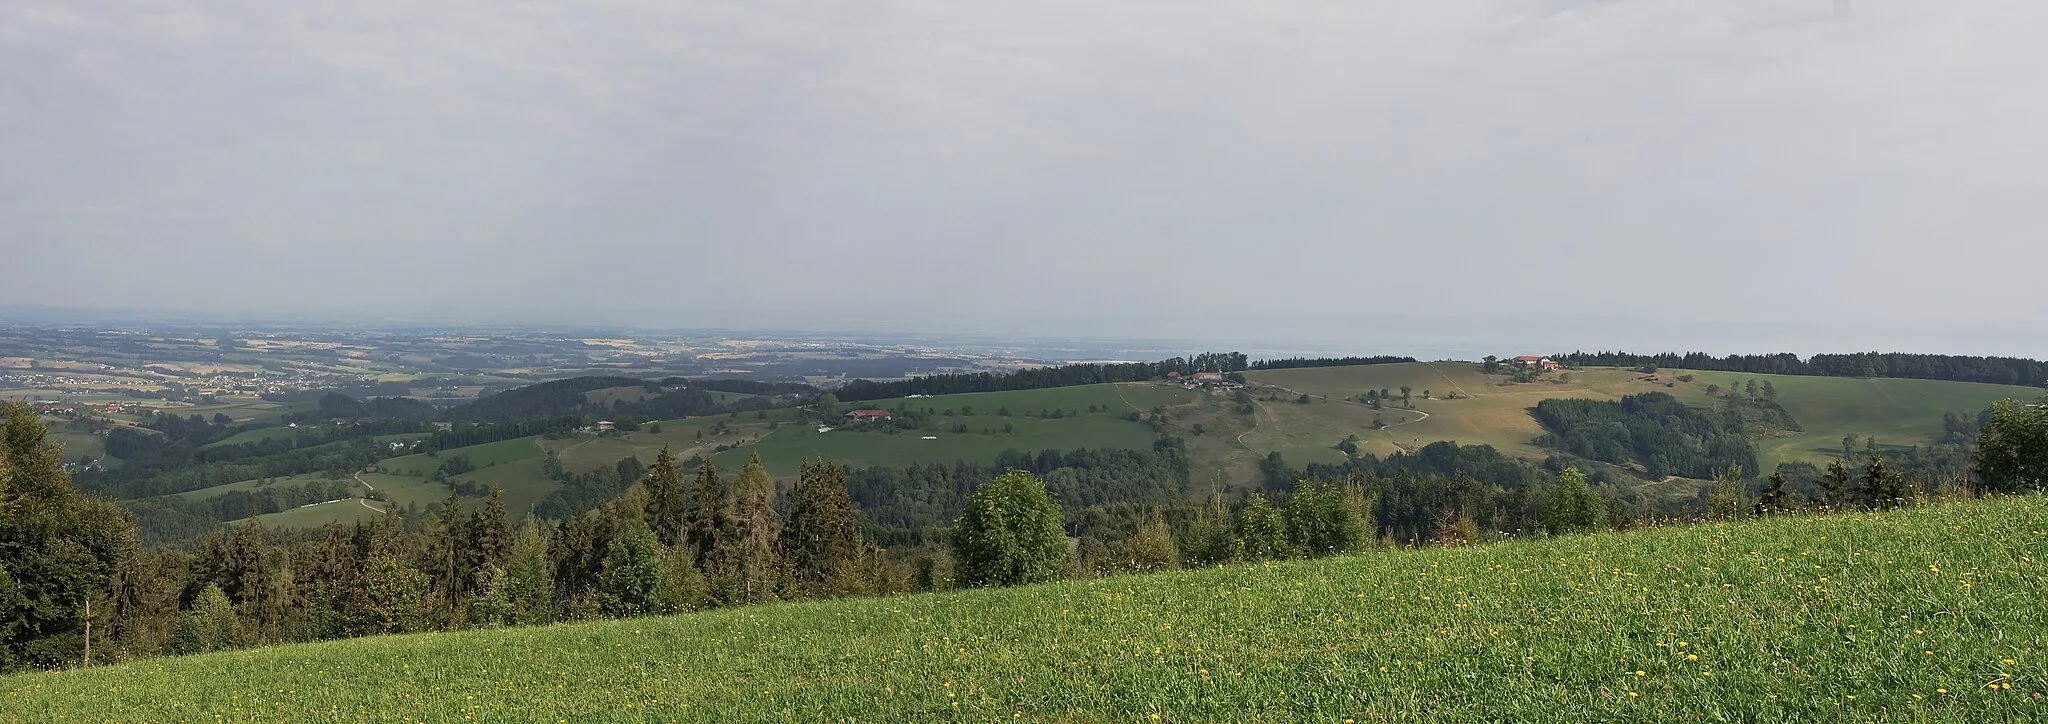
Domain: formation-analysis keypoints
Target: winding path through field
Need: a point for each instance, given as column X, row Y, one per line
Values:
column 365, row 501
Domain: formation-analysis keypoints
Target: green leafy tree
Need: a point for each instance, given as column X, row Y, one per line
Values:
column 209, row 625
column 1319, row 523
column 1574, row 507
column 632, row 574
column 1728, row 501
column 58, row 549
column 2012, row 452
column 389, row 597
column 1010, row 534
column 1261, row 532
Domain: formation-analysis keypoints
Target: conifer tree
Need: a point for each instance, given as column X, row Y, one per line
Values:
column 1152, row 548
column 389, row 597
column 821, row 539
column 1211, row 539
column 668, row 499
column 529, row 579
column 708, row 512
column 1727, row 501
column 490, row 536
column 1261, row 532
column 1358, row 503
column 1837, row 488
column 757, row 532
column 1010, row 534
column 1881, row 488
column 450, row 561
column 1775, row 498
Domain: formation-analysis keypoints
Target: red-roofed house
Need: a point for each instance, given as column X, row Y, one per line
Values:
column 868, row 415
column 1208, row 377
column 1530, row 360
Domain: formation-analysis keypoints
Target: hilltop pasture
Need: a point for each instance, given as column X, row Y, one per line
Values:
column 1930, row 614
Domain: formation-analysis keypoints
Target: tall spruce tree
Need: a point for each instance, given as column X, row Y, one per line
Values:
column 668, row 499
column 1837, row 489
column 1211, row 540
column 451, row 557
column 758, row 532
column 490, row 536
column 708, row 513
column 821, row 539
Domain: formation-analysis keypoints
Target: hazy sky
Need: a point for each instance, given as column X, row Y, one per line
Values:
column 1224, row 167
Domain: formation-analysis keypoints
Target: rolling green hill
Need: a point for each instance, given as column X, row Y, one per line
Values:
column 1921, row 615
column 1225, row 447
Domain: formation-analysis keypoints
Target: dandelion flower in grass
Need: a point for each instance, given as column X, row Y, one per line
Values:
column 1692, row 657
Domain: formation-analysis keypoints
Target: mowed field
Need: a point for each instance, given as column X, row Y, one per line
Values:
column 1898, row 412
column 1931, row 614
column 1901, row 413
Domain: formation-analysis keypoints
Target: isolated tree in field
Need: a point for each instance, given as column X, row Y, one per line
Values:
column 57, row 549
column 2012, row 452
column 1406, row 399
column 1010, row 534
column 1713, row 390
column 1728, row 501
column 668, row 499
column 1574, row 507
column 1775, row 498
column 1261, row 532
column 1492, row 364
column 758, row 532
column 828, row 407
column 821, row 540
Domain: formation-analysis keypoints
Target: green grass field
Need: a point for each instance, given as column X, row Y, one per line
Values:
column 1924, row 615
column 1898, row 412
column 204, row 493
column 314, row 516
column 257, row 435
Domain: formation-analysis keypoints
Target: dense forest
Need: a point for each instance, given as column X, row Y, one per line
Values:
column 1300, row 362
column 1039, row 378
column 1959, row 368
column 1656, row 430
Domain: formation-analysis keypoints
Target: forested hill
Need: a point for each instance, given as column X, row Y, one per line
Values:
column 1955, row 368
column 670, row 398
column 1086, row 374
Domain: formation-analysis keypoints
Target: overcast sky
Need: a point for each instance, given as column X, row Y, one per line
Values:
column 1178, row 167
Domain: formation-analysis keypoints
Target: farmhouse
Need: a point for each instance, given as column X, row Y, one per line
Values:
column 604, row 425
column 1530, row 360
column 868, row 415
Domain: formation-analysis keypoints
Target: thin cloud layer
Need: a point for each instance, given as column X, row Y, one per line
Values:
column 1141, row 168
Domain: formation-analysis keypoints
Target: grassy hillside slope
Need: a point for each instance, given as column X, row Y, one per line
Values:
column 1898, row 412
column 1924, row 615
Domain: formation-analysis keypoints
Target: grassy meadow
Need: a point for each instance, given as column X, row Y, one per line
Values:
column 1931, row 614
